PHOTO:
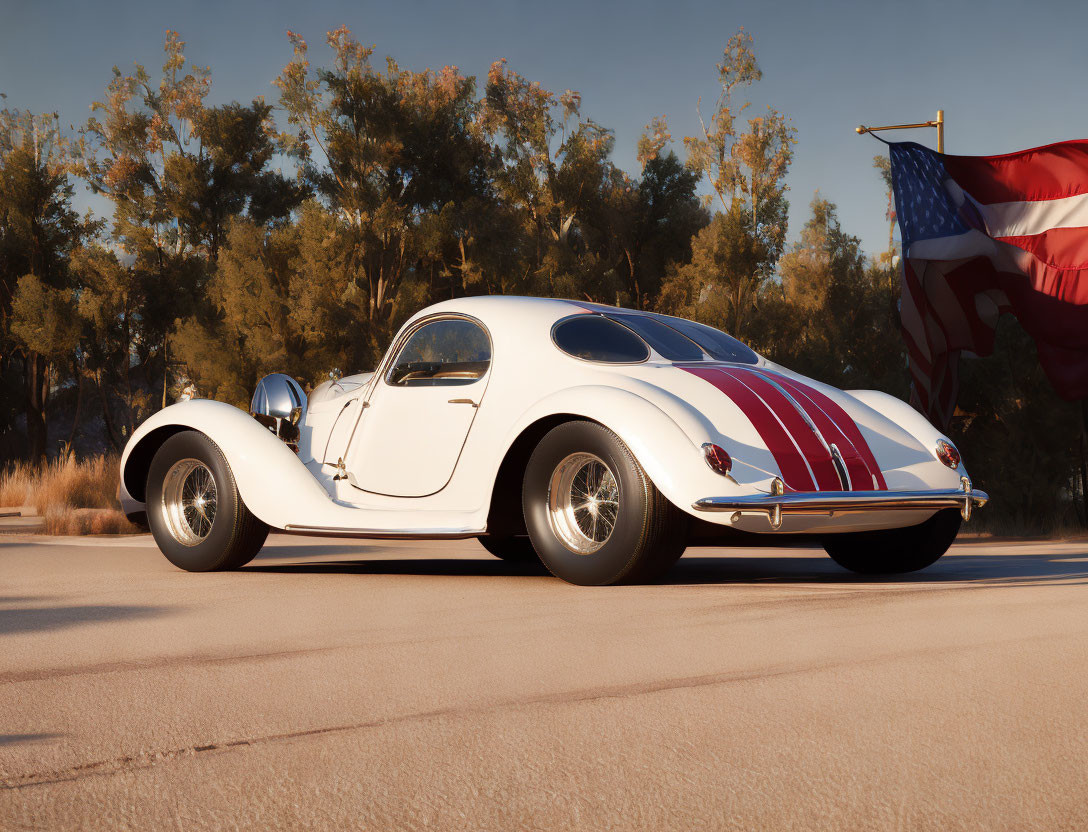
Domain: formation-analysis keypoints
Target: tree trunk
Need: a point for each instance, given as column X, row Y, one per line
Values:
column 36, row 375
column 634, row 279
column 107, row 420
column 79, row 407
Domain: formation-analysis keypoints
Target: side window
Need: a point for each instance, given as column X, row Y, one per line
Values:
column 670, row 344
column 717, row 344
column 443, row 353
column 595, row 338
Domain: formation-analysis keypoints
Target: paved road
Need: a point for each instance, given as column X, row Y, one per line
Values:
column 398, row 685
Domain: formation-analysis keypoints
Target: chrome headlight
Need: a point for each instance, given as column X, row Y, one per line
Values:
column 278, row 404
column 278, row 395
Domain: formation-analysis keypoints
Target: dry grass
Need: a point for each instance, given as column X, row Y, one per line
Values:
column 72, row 497
column 86, row 521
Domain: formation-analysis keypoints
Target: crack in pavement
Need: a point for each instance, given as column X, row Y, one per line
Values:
column 148, row 759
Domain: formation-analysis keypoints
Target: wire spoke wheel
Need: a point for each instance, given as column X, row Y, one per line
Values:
column 189, row 501
column 583, row 502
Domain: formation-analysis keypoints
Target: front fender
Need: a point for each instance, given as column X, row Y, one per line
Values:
column 272, row 481
column 671, row 458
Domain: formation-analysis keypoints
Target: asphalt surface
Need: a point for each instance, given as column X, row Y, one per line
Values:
column 400, row 685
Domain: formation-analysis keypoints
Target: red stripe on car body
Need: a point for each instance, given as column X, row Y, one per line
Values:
column 813, row 451
column 841, row 423
column 790, row 464
column 860, row 476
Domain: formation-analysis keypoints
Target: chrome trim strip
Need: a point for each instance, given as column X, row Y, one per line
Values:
column 845, row 502
column 388, row 534
column 840, row 468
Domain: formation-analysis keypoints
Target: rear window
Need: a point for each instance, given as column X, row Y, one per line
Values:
column 717, row 344
column 593, row 338
column 669, row 344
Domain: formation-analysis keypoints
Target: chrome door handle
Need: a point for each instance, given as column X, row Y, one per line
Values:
column 464, row 401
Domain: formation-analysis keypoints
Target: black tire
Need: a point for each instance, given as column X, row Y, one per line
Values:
column 234, row 536
column 649, row 533
column 895, row 551
column 511, row 548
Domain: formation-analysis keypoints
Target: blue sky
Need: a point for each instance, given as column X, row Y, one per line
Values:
column 1008, row 74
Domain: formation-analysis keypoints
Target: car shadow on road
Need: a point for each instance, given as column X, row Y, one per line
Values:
column 31, row 619
column 991, row 570
column 706, row 567
column 438, row 567
column 23, row 739
column 302, row 550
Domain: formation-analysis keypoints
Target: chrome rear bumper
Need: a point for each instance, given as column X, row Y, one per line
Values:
column 831, row 503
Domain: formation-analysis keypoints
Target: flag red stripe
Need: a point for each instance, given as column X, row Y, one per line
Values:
column 786, row 456
column 1064, row 249
column 1050, row 172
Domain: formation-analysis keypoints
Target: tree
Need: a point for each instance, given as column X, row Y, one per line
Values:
column 38, row 230
column 396, row 149
column 669, row 216
column 177, row 172
column 556, row 174
column 284, row 302
column 834, row 315
column 884, row 166
column 746, row 172
column 716, row 286
column 111, row 298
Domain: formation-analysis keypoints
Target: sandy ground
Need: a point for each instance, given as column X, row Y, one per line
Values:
column 399, row 685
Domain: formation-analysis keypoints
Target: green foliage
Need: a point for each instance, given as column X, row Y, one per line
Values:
column 284, row 300
column 43, row 318
column 832, row 315
column 722, row 281
column 38, row 230
column 735, row 257
column 401, row 158
column 1019, row 438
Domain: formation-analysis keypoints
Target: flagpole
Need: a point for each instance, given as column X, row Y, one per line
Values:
column 937, row 122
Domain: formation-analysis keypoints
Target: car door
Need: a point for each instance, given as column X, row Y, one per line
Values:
column 418, row 415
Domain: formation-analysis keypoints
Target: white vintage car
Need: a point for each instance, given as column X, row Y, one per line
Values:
column 602, row 441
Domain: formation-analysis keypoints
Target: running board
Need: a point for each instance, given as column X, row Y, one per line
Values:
column 385, row 534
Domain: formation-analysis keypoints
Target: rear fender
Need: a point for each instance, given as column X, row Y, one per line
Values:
column 914, row 423
column 671, row 458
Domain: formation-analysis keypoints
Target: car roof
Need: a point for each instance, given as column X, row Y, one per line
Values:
column 507, row 303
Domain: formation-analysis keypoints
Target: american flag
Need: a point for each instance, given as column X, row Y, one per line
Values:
column 985, row 235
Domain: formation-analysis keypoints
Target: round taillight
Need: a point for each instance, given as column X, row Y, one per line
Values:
column 947, row 453
column 717, row 459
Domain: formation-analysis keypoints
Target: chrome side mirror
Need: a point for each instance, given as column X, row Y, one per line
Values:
column 278, row 403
